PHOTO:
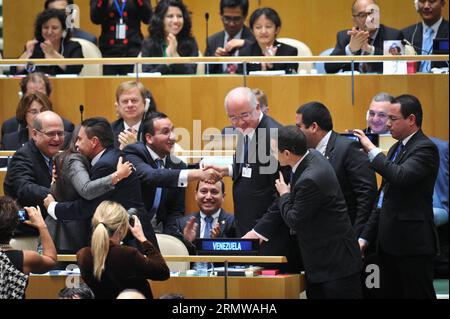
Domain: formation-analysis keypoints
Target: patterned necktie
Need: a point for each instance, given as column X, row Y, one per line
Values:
column 208, row 226
column 393, row 158
column 157, row 199
column 427, row 47
column 364, row 67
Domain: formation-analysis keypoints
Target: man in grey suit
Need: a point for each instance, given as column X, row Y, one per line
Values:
column 314, row 207
column 226, row 43
column 407, row 239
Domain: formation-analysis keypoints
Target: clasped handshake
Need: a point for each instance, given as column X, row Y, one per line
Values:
column 211, row 173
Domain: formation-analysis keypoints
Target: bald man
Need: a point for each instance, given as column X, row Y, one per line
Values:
column 365, row 38
column 30, row 171
column 254, row 173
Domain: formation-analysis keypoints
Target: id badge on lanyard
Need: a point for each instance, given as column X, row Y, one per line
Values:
column 121, row 27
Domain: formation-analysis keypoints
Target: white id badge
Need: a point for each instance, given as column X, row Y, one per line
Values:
column 121, row 31
column 247, row 172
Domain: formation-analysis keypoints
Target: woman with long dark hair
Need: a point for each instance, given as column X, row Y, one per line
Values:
column 170, row 36
column 51, row 41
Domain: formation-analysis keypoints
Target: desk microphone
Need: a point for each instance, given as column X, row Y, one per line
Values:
column 206, row 26
column 81, row 112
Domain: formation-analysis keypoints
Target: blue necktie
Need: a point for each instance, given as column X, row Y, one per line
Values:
column 157, row 199
column 393, row 158
column 50, row 166
column 208, row 226
column 427, row 46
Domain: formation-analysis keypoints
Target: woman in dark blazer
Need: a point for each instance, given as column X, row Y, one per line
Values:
column 265, row 24
column 108, row 267
column 27, row 110
column 51, row 41
column 170, row 36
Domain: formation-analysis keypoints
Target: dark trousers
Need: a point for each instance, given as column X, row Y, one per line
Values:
column 117, row 69
column 343, row 288
column 408, row 277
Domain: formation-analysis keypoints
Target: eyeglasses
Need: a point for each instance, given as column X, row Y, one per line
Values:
column 52, row 134
column 229, row 19
column 381, row 115
column 243, row 116
column 362, row 15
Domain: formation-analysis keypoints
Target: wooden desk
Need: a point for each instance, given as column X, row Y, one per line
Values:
column 273, row 287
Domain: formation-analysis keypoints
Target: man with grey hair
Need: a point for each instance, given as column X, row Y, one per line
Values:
column 254, row 171
column 377, row 114
column 30, row 170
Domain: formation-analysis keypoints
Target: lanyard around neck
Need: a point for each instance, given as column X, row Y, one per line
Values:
column 120, row 10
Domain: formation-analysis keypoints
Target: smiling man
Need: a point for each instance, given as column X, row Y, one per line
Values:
column 212, row 220
column 30, row 171
column 163, row 176
column 227, row 42
column 432, row 26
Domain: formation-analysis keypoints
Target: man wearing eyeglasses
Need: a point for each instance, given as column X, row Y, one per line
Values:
column 377, row 114
column 30, row 171
column 365, row 38
column 407, row 240
column 227, row 42
column 254, row 171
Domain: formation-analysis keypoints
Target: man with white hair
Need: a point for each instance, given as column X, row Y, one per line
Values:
column 254, row 172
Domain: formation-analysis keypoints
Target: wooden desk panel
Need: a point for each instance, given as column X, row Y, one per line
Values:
column 186, row 99
column 277, row 287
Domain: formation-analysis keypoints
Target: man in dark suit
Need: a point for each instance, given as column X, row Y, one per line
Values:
column 29, row 172
column 225, row 43
column 352, row 167
column 365, row 38
column 417, row 34
column 314, row 207
column 95, row 141
column 133, row 102
column 407, row 239
column 211, row 221
column 163, row 177
column 254, row 172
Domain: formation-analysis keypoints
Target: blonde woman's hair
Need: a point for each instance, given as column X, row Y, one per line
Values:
column 109, row 218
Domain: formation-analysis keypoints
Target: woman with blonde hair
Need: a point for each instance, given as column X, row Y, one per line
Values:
column 107, row 267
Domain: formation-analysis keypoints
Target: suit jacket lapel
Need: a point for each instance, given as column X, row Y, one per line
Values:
column 222, row 222
column 330, row 146
column 417, row 37
column 198, row 221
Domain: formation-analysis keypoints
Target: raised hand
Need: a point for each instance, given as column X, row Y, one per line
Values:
column 281, row 186
column 126, row 137
column 190, row 230
column 36, row 219
column 172, row 46
column 123, row 170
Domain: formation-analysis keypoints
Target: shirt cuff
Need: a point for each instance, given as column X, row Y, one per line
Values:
column 230, row 170
column 347, row 50
column 183, row 178
column 363, row 241
column 51, row 210
column 260, row 236
column 373, row 153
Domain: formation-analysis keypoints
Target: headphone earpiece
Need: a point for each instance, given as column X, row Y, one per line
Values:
column 367, row 116
column 147, row 104
column 20, row 95
column 64, row 34
column 416, row 5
